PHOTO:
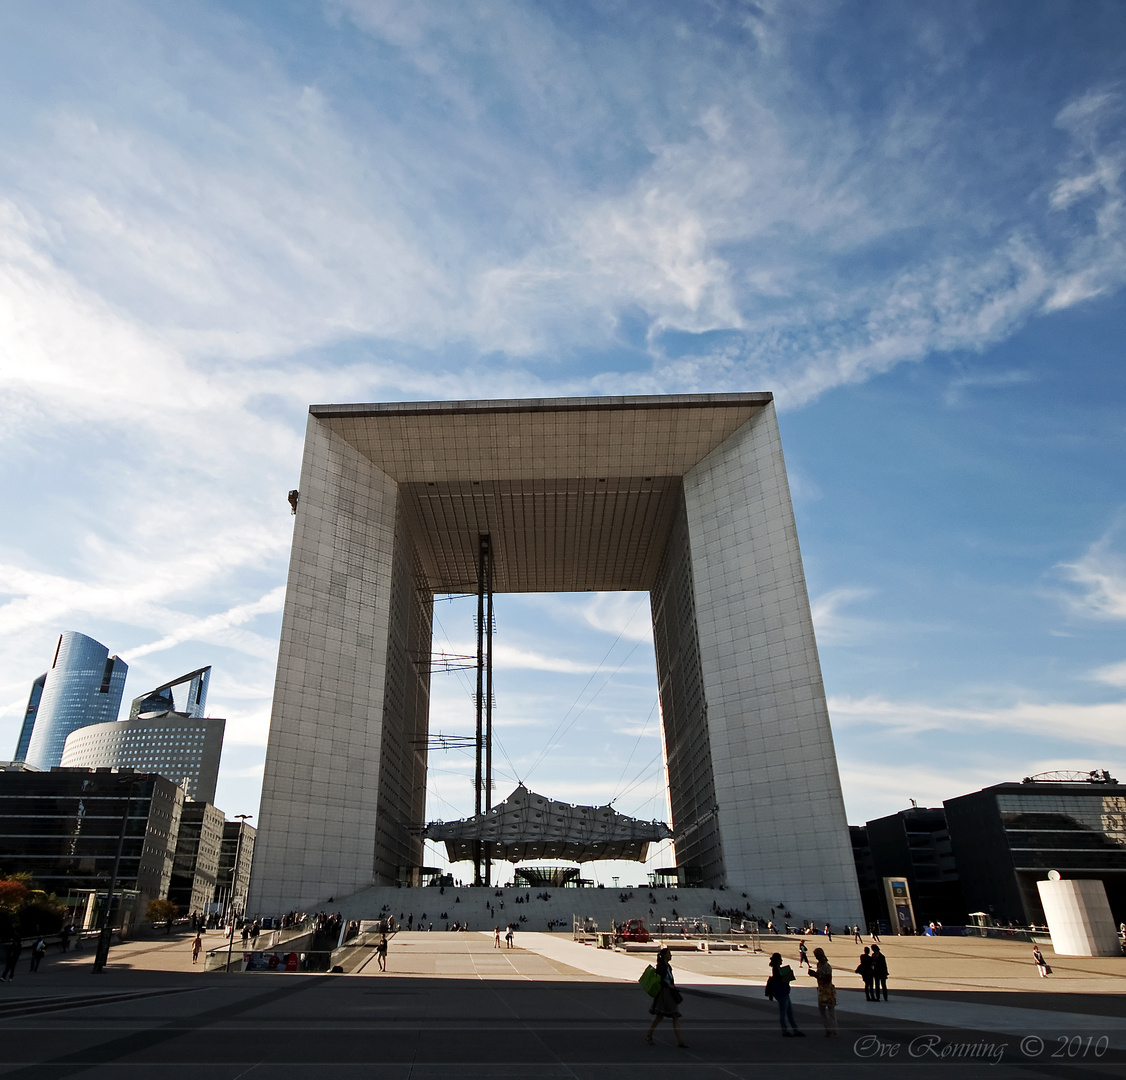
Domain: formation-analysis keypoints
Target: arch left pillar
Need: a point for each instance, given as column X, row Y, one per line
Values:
column 345, row 776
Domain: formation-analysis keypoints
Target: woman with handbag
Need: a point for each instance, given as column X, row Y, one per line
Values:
column 667, row 1000
column 826, row 994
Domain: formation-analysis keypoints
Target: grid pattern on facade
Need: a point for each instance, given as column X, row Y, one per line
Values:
column 401, row 801
column 512, row 440
column 183, row 749
column 568, row 534
column 684, row 712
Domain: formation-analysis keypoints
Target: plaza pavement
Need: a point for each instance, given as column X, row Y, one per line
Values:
column 451, row 1005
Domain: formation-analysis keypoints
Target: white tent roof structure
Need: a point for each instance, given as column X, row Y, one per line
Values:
column 531, row 826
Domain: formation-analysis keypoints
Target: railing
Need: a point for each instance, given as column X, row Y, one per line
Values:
column 269, row 960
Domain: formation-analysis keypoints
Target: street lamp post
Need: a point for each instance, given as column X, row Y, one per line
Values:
column 243, row 818
column 102, row 953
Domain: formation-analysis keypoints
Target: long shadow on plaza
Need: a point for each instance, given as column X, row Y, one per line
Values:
column 567, row 1027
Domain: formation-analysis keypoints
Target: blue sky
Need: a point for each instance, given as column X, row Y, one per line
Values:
column 907, row 221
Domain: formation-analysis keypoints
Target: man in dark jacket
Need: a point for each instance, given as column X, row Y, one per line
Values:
column 879, row 974
column 778, row 990
column 865, row 972
column 11, row 958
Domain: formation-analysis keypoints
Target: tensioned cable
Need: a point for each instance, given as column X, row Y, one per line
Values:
column 587, row 705
column 642, row 776
column 640, row 736
column 551, row 739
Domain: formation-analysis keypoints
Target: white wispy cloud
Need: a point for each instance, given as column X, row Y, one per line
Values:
column 833, row 625
column 1100, row 580
column 219, row 627
column 986, row 380
column 1102, row 724
column 1111, row 674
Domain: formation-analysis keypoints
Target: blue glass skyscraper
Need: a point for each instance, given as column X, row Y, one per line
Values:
column 83, row 686
column 29, row 718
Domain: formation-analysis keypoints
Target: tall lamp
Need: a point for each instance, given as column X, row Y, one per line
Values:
column 101, row 955
column 243, row 819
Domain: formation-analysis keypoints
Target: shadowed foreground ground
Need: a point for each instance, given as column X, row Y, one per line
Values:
column 451, row 1005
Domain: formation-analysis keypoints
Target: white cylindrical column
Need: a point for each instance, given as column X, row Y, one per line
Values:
column 1079, row 918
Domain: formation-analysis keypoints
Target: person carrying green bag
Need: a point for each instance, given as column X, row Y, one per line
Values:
column 778, row 989
column 667, row 998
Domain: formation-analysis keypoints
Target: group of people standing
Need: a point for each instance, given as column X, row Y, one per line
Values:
column 873, row 969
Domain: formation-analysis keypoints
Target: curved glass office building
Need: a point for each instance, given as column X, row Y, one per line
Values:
column 84, row 686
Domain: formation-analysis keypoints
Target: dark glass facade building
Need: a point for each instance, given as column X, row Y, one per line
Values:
column 196, row 864
column 63, row 827
column 1007, row 837
column 83, row 686
column 29, row 718
column 915, row 844
column 229, row 878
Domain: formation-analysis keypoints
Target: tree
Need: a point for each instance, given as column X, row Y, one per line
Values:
column 162, row 911
column 26, row 909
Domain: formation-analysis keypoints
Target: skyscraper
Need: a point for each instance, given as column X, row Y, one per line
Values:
column 83, row 686
column 29, row 718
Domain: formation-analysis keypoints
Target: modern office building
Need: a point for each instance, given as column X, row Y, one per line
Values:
column 83, row 686
column 866, row 879
column 63, row 827
column 1007, row 837
column 183, row 749
column 195, row 867
column 684, row 497
column 915, row 845
column 29, row 715
column 236, row 857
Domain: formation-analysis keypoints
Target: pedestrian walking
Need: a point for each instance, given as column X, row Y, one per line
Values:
column 64, row 937
column 1041, row 963
column 864, row 970
column 381, row 952
column 668, row 999
column 828, row 933
column 38, row 951
column 874, row 931
column 826, row 994
column 857, row 939
column 778, row 990
column 510, row 936
column 496, row 937
column 11, row 958
column 879, row 974
column 803, row 957
column 197, row 946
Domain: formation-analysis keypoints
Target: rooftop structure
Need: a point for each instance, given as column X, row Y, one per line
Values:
column 186, row 695
column 530, row 826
